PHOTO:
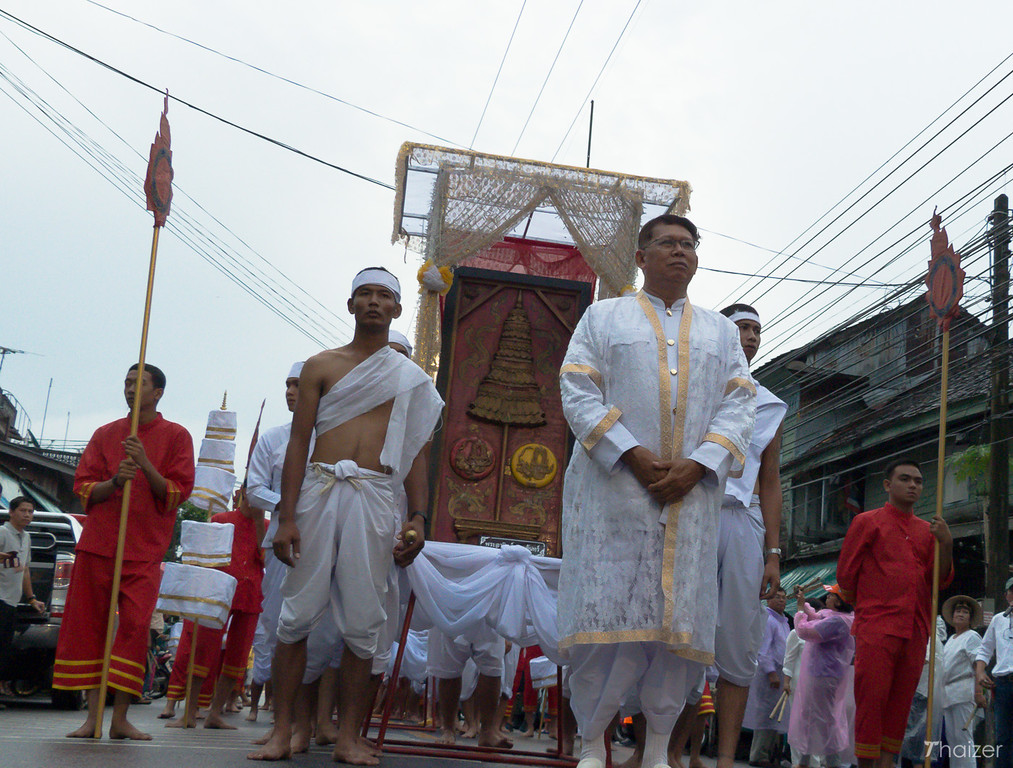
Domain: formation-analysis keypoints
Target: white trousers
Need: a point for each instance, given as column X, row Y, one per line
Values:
column 347, row 520
column 448, row 656
column 266, row 636
column 602, row 675
column 960, row 743
column 741, row 618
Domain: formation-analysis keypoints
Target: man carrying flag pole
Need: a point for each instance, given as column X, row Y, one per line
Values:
column 145, row 467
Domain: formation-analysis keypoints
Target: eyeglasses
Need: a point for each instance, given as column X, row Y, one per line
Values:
column 672, row 245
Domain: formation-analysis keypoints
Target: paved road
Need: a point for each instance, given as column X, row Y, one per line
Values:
column 32, row 736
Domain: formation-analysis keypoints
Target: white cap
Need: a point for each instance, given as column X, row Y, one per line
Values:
column 295, row 371
column 374, row 276
column 396, row 337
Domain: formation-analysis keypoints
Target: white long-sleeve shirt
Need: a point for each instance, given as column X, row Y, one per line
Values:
column 998, row 640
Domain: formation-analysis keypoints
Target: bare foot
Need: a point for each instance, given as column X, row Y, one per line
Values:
column 634, row 760
column 471, row 733
column 300, row 741
column 354, row 753
column 695, row 762
column 214, row 720
column 675, row 762
column 264, row 739
column 278, row 747
column 327, row 733
column 494, row 739
column 182, row 722
column 446, row 737
column 125, row 730
column 86, row 731
column 252, row 716
column 370, row 746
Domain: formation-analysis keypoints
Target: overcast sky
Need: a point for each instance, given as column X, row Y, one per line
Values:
column 774, row 112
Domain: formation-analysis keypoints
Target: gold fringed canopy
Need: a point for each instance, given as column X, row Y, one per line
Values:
column 451, row 204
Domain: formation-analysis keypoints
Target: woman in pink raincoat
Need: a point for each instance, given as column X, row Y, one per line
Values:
column 820, row 723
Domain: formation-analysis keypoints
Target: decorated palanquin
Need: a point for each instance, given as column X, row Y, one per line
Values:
column 513, row 251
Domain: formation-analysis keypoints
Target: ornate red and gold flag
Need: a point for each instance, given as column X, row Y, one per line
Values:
column 158, row 182
column 945, row 278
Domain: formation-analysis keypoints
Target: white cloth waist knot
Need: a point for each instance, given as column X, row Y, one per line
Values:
column 347, row 471
column 515, row 553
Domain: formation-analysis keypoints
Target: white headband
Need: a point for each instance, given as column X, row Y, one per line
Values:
column 743, row 315
column 377, row 277
column 296, row 370
column 396, row 337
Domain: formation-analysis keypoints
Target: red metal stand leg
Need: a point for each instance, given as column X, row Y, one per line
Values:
column 395, row 674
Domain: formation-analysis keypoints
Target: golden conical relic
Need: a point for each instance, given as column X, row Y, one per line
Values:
column 509, row 394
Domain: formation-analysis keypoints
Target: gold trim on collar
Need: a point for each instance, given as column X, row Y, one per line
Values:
column 604, row 426
column 724, row 442
column 735, row 382
column 594, row 375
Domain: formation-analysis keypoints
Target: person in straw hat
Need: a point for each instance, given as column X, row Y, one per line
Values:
column 963, row 613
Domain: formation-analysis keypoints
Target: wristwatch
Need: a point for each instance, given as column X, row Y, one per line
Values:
column 420, row 513
column 772, row 551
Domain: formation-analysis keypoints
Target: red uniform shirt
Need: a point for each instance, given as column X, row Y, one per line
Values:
column 885, row 571
column 247, row 564
column 150, row 521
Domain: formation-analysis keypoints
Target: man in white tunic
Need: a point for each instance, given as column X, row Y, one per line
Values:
column 749, row 555
column 373, row 411
column 263, row 491
column 658, row 394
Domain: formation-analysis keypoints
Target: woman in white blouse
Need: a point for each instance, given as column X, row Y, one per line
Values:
column 959, row 699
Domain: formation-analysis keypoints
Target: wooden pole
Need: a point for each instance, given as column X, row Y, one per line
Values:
column 189, row 678
column 121, row 538
column 940, row 477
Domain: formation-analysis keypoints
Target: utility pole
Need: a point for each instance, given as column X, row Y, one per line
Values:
column 997, row 528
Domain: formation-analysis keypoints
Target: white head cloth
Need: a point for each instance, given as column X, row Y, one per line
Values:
column 396, row 337
column 743, row 315
column 377, row 277
column 295, row 371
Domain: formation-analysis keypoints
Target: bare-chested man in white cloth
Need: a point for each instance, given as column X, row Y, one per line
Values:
column 374, row 411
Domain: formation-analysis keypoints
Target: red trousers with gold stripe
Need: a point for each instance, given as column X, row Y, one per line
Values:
column 210, row 660
column 886, row 676
column 81, row 645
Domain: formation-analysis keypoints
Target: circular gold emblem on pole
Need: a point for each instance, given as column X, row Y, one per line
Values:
column 533, row 465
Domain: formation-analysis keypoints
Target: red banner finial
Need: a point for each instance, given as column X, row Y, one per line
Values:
column 945, row 279
column 158, row 182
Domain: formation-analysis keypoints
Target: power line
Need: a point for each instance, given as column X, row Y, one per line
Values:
column 201, row 110
column 597, row 78
column 282, row 78
column 319, row 307
column 189, row 232
column 546, row 80
column 739, row 289
column 498, row 71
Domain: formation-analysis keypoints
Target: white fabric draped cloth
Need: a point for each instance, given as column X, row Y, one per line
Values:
column 457, row 586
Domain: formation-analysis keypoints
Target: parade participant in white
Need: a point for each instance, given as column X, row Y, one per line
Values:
column 447, row 659
column 959, row 699
column 263, row 490
column 374, row 411
column 658, row 394
column 749, row 557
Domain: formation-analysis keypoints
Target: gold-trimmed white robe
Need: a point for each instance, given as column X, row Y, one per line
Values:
column 674, row 380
